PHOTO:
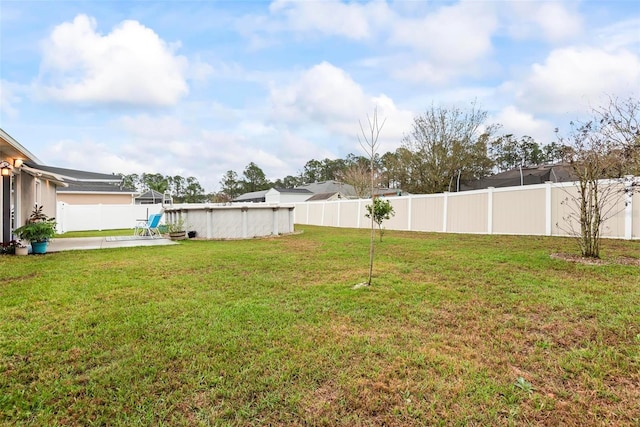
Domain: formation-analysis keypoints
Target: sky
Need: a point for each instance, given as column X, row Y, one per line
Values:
column 197, row 88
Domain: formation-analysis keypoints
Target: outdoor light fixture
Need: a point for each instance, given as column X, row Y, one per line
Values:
column 6, row 168
column 17, row 163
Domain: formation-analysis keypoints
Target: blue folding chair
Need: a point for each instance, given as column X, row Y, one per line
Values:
column 149, row 227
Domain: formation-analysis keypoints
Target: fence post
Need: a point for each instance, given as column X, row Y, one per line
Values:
column 409, row 213
column 245, row 221
column 445, row 208
column 547, row 208
column 274, row 219
column 490, row 210
column 628, row 207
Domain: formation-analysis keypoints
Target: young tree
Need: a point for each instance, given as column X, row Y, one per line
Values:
column 369, row 144
column 606, row 147
column 380, row 211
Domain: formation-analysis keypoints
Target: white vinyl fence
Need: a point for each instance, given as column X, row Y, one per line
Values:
column 528, row 210
column 101, row 217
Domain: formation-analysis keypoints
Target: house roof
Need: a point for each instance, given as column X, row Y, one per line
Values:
column 76, row 175
column 329, row 187
column 293, row 190
column 322, row 196
column 95, row 187
column 254, row 196
column 560, row 172
column 150, row 195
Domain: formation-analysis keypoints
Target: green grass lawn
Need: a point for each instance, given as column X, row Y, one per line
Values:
column 456, row 330
column 96, row 233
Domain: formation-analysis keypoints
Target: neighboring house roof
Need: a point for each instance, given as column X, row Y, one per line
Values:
column 292, row 191
column 329, row 187
column 325, row 196
column 151, row 195
column 389, row 192
column 76, row 175
column 254, row 196
column 560, row 172
column 95, row 187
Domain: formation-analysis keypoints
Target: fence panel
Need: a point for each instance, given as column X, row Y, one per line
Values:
column 517, row 211
column 541, row 209
column 101, row 217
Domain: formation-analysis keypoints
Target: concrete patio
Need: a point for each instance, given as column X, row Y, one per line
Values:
column 86, row 243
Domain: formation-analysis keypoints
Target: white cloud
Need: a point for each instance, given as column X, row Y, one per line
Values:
column 9, row 98
column 521, row 123
column 550, row 20
column 620, row 35
column 459, row 34
column 130, row 65
column 332, row 17
column 572, row 77
column 325, row 102
column 150, row 127
column 323, row 93
column 102, row 157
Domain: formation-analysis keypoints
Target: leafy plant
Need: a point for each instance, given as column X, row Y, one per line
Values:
column 37, row 231
column 176, row 226
column 381, row 211
column 9, row 248
column 524, row 385
column 39, row 227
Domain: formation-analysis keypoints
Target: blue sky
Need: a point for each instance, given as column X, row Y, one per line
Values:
column 197, row 88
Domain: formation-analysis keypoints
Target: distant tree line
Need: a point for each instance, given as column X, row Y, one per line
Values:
column 182, row 190
column 444, row 145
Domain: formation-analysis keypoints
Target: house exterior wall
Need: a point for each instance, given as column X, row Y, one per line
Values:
column 32, row 191
column 94, row 199
column 274, row 196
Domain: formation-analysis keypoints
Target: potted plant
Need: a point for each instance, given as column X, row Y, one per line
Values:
column 9, row 248
column 38, row 230
column 22, row 249
column 177, row 230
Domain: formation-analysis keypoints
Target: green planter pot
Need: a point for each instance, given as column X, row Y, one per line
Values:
column 39, row 247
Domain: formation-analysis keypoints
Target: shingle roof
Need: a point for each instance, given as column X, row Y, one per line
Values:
column 95, row 187
column 252, row 196
column 293, row 190
column 150, row 195
column 76, row 175
column 320, row 196
column 329, row 187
